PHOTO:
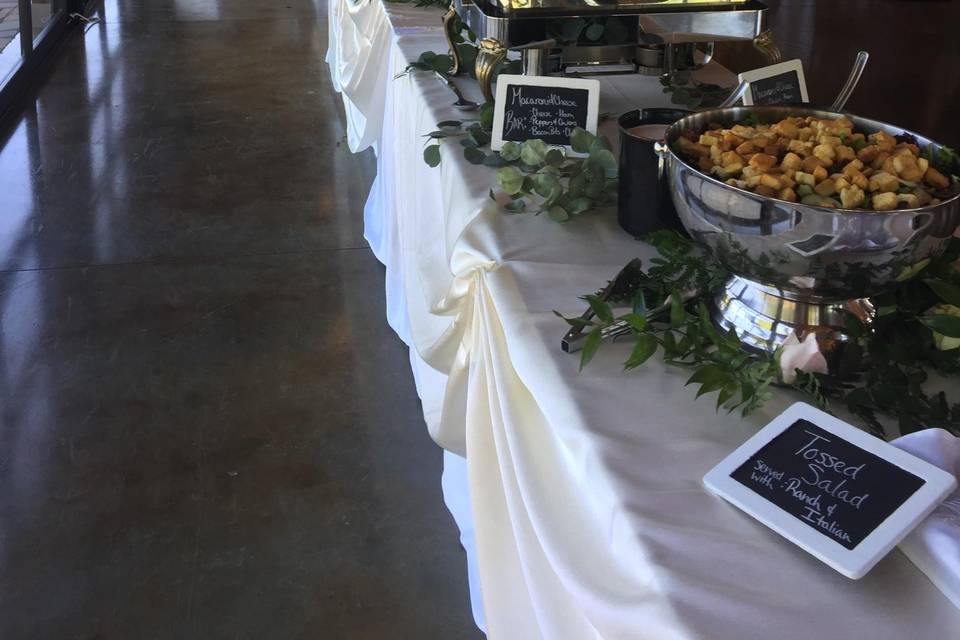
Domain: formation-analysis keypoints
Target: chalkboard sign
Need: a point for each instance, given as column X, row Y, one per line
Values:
column 824, row 481
column 781, row 83
column 544, row 108
column 841, row 494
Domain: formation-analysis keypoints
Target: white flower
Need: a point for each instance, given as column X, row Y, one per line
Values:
column 804, row 355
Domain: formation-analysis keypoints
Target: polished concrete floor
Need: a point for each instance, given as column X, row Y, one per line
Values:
column 207, row 430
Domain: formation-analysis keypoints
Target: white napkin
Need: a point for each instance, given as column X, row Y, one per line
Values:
column 934, row 546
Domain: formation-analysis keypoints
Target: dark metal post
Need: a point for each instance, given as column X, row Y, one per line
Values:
column 26, row 28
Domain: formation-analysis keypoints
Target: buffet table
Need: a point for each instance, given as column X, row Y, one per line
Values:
column 583, row 490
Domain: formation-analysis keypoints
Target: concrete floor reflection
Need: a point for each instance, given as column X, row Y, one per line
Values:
column 206, row 427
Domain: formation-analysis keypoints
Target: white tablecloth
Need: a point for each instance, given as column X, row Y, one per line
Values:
column 361, row 33
column 589, row 515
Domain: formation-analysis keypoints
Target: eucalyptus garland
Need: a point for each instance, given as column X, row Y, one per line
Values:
column 532, row 176
column 883, row 371
column 548, row 181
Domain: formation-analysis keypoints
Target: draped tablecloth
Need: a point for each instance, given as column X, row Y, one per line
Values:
column 589, row 514
column 360, row 34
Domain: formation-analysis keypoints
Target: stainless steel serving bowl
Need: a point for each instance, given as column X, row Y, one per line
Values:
column 800, row 265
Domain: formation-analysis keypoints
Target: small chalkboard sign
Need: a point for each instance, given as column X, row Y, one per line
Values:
column 544, row 108
column 781, row 83
column 839, row 493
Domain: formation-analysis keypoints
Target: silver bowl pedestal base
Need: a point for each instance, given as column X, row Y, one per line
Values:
column 763, row 317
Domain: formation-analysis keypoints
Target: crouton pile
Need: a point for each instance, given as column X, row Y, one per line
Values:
column 819, row 162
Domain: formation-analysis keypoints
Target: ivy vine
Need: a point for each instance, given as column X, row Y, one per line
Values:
column 883, row 371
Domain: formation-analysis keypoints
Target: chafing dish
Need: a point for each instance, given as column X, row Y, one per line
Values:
column 649, row 36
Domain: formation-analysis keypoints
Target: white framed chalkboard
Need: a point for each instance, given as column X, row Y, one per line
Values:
column 544, row 108
column 841, row 494
column 781, row 83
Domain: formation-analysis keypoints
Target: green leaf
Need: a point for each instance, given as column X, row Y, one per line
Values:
column 570, row 29
column 645, row 347
column 449, row 123
column 554, row 158
column 636, row 322
column 474, row 156
column 948, row 326
column 949, row 293
column 594, row 188
column 431, row 155
column 579, row 205
column 558, row 213
column 605, row 159
column 468, row 57
column 469, row 142
column 706, row 323
column 581, row 139
column 677, row 315
column 434, row 61
column 516, row 206
column 486, row 116
column 707, row 374
column 727, row 392
column 594, row 32
column 669, row 344
column 481, row 137
column 577, row 322
column 600, row 308
column 494, row 160
column 546, row 185
column 599, row 143
column 510, row 151
column 436, row 135
column 713, row 385
column 532, row 152
column 510, row 180
column 577, row 186
column 590, row 346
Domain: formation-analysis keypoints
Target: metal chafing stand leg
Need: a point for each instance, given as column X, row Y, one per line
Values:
column 489, row 56
column 535, row 62
column 449, row 21
column 534, row 56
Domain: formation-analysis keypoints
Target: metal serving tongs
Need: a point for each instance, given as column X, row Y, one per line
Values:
column 619, row 287
column 838, row 104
